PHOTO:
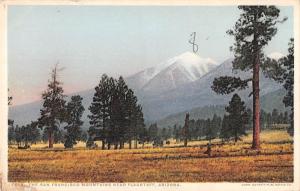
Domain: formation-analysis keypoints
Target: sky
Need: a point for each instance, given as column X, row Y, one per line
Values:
column 88, row 41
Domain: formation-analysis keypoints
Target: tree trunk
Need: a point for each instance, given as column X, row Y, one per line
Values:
column 135, row 143
column 50, row 139
column 108, row 145
column 235, row 136
column 103, row 145
column 116, row 146
column 129, row 144
column 185, row 142
column 256, row 104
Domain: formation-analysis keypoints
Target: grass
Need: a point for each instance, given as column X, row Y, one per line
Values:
column 230, row 163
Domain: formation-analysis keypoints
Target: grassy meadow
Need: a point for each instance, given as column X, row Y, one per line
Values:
column 172, row 163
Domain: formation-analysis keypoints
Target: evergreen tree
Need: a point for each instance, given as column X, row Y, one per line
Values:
column 11, row 132
column 100, row 109
column 216, row 123
column 269, row 120
column 176, row 134
column 283, row 72
column 74, row 111
column 144, row 136
column 237, row 117
column 252, row 32
column 131, row 116
column 140, row 123
column 186, row 129
column 285, row 118
column 53, row 111
column 275, row 116
column 280, row 118
column 288, row 77
column 225, row 132
column 153, row 132
column 209, row 134
column 35, row 134
column 263, row 119
column 11, row 129
column 164, row 133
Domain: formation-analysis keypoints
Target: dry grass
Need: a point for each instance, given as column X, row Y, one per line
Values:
column 230, row 163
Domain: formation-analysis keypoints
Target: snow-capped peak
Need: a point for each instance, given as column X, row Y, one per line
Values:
column 179, row 70
column 275, row 55
column 184, row 68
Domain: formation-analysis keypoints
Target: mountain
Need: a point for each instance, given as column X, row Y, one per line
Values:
column 199, row 93
column 269, row 101
column 176, row 85
column 185, row 68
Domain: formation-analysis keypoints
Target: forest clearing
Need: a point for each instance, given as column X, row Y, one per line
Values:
column 223, row 114
column 173, row 163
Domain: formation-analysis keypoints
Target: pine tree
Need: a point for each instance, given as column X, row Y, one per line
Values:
column 53, row 111
column 11, row 132
column 153, row 132
column 285, row 118
column 144, row 136
column 100, row 109
column 288, row 77
column 209, row 135
column 74, row 111
column 140, row 124
column 11, row 129
column 237, row 117
column 252, row 32
column 275, row 116
column 35, row 134
column 186, row 129
column 282, row 71
column 263, row 119
column 269, row 120
column 118, row 115
column 131, row 116
column 216, row 123
column 225, row 132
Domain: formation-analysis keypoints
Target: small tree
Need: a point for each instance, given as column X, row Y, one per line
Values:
column 11, row 132
column 225, row 132
column 52, row 113
column 74, row 111
column 153, row 132
column 186, row 129
column 237, row 117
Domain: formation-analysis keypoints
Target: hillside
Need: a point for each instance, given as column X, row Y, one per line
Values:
column 270, row 101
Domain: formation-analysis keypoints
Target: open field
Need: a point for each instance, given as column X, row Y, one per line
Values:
column 229, row 162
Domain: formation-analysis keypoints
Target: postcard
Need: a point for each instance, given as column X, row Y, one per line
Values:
column 149, row 95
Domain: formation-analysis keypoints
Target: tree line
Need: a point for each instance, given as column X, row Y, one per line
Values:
column 115, row 117
column 231, row 126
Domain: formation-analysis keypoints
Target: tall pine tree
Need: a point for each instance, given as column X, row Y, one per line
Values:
column 252, row 32
column 100, row 109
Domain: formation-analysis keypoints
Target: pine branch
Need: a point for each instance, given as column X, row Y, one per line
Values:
column 274, row 69
column 228, row 84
